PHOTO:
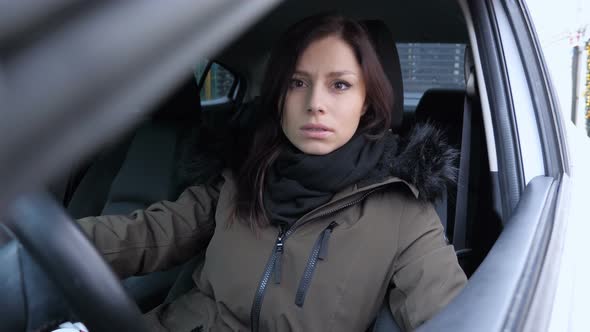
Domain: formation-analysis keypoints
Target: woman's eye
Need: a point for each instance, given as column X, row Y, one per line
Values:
column 296, row 83
column 341, row 85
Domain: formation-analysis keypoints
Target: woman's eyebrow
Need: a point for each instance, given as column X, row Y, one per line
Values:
column 330, row 74
column 341, row 73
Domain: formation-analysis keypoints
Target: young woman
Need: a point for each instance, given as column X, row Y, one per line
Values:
column 327, row 218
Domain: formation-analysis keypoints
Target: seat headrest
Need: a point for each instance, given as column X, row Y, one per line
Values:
column 444, row 108
column 386, row 50
column 184, row 103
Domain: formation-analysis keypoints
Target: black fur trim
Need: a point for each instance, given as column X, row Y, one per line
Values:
column 425, row 160
column 202, row 157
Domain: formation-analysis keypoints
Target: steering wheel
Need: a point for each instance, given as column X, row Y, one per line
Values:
column 64, row 252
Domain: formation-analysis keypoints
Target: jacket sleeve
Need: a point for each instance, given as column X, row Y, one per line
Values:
column 426, row 275
column 165, row 234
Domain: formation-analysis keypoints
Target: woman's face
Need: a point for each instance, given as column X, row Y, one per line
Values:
column 326, row 97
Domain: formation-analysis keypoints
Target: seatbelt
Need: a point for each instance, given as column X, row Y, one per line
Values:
column 440, row 206
column 460, row 226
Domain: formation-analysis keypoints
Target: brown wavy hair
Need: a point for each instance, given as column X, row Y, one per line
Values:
column 269, row 139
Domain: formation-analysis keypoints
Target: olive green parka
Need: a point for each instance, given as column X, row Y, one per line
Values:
column 378, row 240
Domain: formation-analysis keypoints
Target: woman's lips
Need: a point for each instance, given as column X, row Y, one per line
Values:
column 316, row 131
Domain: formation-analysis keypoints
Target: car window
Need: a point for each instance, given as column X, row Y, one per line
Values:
column 217, row 83
column 566, row 49
column 430, row 65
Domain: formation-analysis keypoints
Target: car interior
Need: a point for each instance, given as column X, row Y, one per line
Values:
column 126, row 176
column 203, row 119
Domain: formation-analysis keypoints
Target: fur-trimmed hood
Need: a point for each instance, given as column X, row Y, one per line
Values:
column 423, row 158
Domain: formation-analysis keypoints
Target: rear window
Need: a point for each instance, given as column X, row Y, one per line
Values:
column 430, row 65
column 217, row 84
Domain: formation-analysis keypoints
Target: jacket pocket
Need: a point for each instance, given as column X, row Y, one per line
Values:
column 318, row 252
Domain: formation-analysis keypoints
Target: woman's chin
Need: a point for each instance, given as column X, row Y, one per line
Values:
column 316, row 148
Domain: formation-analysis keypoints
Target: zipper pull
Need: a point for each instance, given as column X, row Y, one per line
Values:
column 279, row 252
column 325, row 238
column 319, row 252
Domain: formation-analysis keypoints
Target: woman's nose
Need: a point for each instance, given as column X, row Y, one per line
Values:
column 316, row 101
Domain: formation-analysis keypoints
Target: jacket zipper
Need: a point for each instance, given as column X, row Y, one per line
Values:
column 270, row 265
column 319, row 251
column 277, row 252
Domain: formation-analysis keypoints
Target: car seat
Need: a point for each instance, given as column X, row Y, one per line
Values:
column 145, row 167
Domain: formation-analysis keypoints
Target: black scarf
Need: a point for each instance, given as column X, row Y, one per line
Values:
column 298, row 183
